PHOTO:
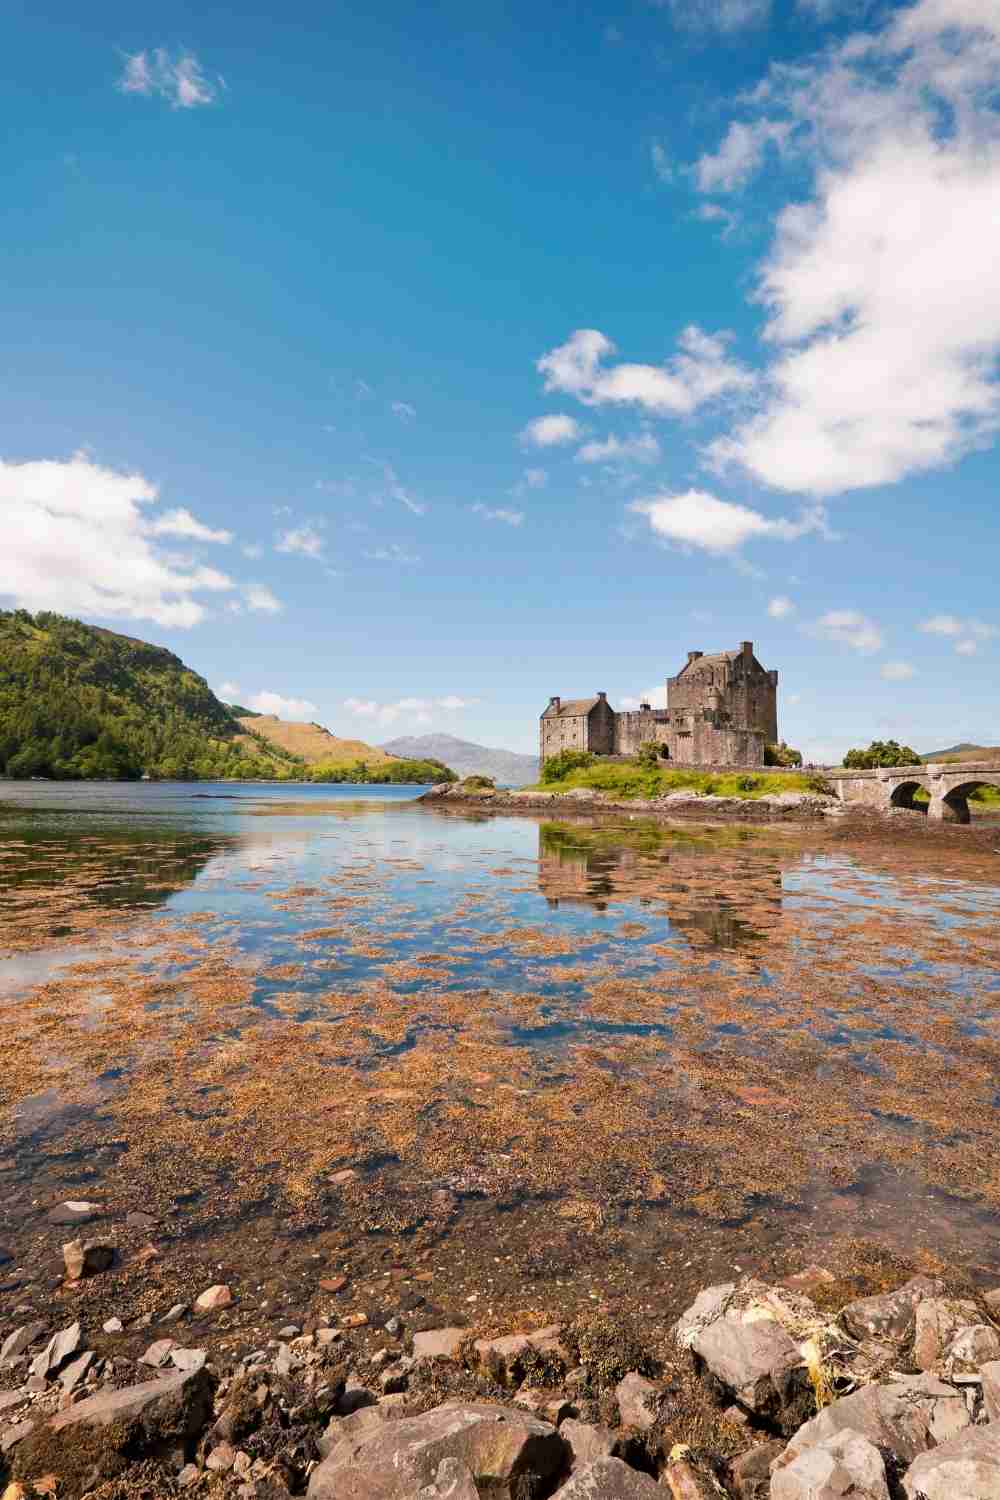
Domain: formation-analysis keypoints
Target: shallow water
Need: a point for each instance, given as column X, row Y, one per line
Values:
column 225, row 995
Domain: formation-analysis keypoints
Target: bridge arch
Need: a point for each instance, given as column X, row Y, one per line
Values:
column 956, row 791
column 903, row 793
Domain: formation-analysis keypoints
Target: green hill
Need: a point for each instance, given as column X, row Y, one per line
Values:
column 81, row 703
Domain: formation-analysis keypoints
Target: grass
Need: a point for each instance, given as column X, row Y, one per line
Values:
column 638, row 781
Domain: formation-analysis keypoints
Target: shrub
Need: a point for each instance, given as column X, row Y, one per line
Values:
column 649, row 755
column 782, row 755
column 479, row 784
column 748, row 783
column 558, row 767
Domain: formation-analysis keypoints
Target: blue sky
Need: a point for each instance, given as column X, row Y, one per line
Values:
column 399, row 366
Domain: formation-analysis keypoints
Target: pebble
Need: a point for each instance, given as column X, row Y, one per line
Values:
column 221, row 1458
column 73, row 1212
column 113, row 1325
column 333, row 1283
column 214, row 1298
column 177, row 1311
column 355, row 1320
column 158, row 1354
column 290, row 1331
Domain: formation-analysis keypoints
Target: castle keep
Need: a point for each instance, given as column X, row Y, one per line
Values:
column 721, row 710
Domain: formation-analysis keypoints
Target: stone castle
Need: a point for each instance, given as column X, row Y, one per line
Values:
column 722, row 710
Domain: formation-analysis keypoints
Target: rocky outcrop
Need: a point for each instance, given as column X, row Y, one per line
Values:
column 846, row 1464
column 966, row 1468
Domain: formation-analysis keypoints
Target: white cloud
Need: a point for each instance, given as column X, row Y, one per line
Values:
column 77, row 539
column 881, row 289
column 258, row 597
column 656, row 697
column 536, row 479
column 698, row 519
column 898, row 671
column 183, row 524
column 848, row 627
column 643, row 449
column 179, row 80
column 285, row 708
column 699, row 372
column 714, row 213
column 740, row 155
column 967, row 635
column 718, row 15
column 549, row 432
column 967, row 647
column 661, row 163
column 304, row 540
column 419, row 710
column 780, row 607
column 508, row 517
column 393, row 552
column 404, row 411
column 229, row 691
column 942, row 625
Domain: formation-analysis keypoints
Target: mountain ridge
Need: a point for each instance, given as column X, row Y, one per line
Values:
column 509, row 767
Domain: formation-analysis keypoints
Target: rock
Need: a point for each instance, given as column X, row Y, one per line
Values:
column 188, row 1360
column 76, row 1371
column 157, row 1354
column 290, row 1331
column 683, row 1481
column 971, row 1348
column 506, row 1451
column 992, row 1299
column 333, row 1283
column 396, row 1377
column 904, row 1418
column 326, row 1336
column 991, row 1390
column 137, row 1220
column 638, row 1401
column 355, row 1320
column 439, row 1343
column 936, row 1320
column 60, row 1348
column 453, row 1482
column 190, row 1474
column 609, row 1479
column 159, row 1417
column 587, row 1443
column 113, row 1325
column 10, row 1399
column 73, row 1213
column 175, row 1313
column 750, row 1473
column 811, row 1279
column 394, row 1327
column 966, row 1468
column 220, row 1459
column 214, row 1298
column 709, row 1305
column 760, row 1365
column 502, row 1357
column 87, row 1258
column 846, row 1464
column 15, row 1344
column 18, row 1433
column 891, row 1315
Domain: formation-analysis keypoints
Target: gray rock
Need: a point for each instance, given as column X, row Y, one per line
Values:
column 188, row 1360
column 891, row 1315
column 587, row 1442
column 454, row 1481
column 21, row 1339
column 113, row 1325
column 610, row 1479
column 137, row 1220
column 290, row 1331
column 439, row 1343
column 991, row 1390
column 846, row 1464
column 11, row 1436
column 971, row 1348
column 73, row 1212
column 759, row 1364
column 60, row 1348
column 87, row 1258
column 709, row 1305
column 904, row 1418
column 157, row 1354
column 966, row 1468
column 936, row 1321
column 638, row 1401
column 76, row 1371
column 750, row 1473
column 505, row 1450
column 177, row 1311
column 394, row 1328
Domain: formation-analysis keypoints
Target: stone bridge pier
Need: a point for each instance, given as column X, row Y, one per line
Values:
column 948, row 786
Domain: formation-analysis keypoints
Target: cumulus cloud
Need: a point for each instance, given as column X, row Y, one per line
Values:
column 285, row 708
column 717, row 15
column 393, row 552
column 78, row 539
column 740, row 155
column 898, row 671
column 881, row 292
column 550, row 432
column 848, row 627
column 419, row 710
column 699, row 372
column 508, row 517
column 698, row 519
column 967, row 635
column 183, row 524
column 179, row 80
column 656, row 697
column 258, row 597
column 229, row 691
column 643, row 449
column 780, row 607
column 304, row 540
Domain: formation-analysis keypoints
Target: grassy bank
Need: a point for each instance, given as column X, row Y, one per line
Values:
column 635, row 780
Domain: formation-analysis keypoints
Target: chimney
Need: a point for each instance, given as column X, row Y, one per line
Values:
column 554, row 703
column 646, row 707
column 602, row 695
column 747, row 648
column 694, row 655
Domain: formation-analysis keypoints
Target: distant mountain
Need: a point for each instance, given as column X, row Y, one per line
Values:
column 468, row 759
column 311, row 742
column 964, row 751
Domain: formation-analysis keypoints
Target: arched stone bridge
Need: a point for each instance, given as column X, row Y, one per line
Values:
column 949, row 786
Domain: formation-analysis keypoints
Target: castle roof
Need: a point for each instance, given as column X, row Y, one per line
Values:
column 710, row 659
column 570, row 708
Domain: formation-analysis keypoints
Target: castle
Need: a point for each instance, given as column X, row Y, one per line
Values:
column 721, row 710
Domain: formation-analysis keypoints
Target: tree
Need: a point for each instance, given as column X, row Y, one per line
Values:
column 881, row 753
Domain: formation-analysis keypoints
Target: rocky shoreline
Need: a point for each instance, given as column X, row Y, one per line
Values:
column 762, row 1388
column 781, row 806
